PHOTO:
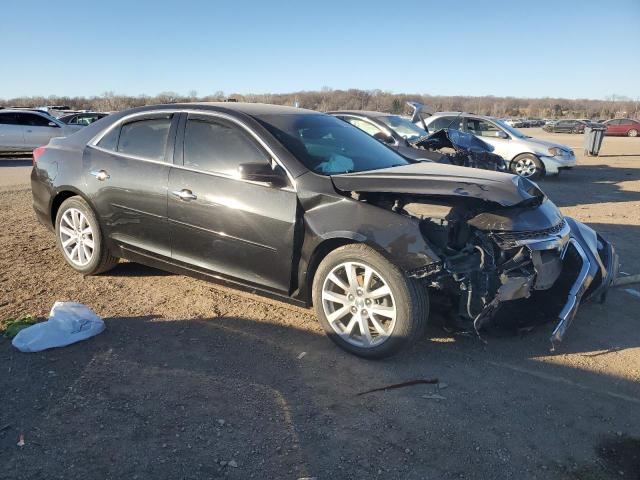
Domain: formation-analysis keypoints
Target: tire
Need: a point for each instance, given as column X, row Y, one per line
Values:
column 77, row 227
column 406, row 300
column 632, row 133
column 527, row 165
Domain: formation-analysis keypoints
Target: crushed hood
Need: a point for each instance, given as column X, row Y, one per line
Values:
column 446, row 180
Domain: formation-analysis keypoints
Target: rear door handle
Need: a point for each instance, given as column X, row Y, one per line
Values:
column 184, row 194
column 101, row 175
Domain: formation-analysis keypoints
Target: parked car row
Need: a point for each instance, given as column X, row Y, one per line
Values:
column 525, row 156
column 412, row 141
column 303, row 206
column 525, row 122
column 23, row 129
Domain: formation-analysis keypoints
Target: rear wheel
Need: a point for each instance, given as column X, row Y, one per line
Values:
column 528, row 166
column 632, row 133
column 80, row 240
column 367, row 305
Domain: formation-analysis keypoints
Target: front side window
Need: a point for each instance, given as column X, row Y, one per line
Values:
column 482, row 128
column 326, row 145
column 145, row 138
column 218, row 147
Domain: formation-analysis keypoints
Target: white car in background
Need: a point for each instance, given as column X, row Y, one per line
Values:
column 24, row 130
column 525, row 156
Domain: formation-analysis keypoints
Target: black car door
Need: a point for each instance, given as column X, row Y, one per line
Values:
column 220, row 223
column 126, row 175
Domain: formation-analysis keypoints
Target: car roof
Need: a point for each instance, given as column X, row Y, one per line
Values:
column 250, row 109
column 25, row 110
column 366, row 113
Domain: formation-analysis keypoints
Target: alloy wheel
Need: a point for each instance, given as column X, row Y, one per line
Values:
column 525, row 167
column 76, row 237
column 633, row 132
column 359, row 304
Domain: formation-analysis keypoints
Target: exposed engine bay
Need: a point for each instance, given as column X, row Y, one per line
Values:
column 456, row 147
column 462, row 149
column 494, row 270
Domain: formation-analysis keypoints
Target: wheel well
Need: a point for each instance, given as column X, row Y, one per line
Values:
column 318, row 254
column 57, row 201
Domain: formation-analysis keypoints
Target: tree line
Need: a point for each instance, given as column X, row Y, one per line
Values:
column 328, row 99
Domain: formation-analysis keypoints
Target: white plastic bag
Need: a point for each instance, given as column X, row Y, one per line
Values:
column 68, row 323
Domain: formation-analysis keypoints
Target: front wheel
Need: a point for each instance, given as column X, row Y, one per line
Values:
column 367, row 305
column 632, row 133
column 79, row 238
column 528, row 166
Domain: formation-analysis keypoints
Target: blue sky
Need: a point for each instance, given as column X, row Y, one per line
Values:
column 573, row 49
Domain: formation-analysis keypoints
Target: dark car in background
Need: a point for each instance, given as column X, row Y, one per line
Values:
column 567, row 126
column 302, row 206
column 623, row 127
column 82, row 118
column 412, row 141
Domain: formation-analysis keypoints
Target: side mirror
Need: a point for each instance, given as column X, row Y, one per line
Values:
column 501, row 134
column 262, row 172
column 384, row 138
column 53, row 124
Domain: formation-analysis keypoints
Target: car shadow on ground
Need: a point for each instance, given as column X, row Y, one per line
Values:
column 132, row 269
column 158, row 398
column 591, row 184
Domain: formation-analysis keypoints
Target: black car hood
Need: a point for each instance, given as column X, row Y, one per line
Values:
column 436, row 179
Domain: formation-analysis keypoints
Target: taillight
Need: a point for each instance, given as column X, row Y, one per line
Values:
column 36, row 154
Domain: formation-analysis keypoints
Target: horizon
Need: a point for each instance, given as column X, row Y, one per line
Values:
column 228, row 95
column 472, row 51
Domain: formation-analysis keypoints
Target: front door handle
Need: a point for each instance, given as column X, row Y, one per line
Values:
column 184, row 194
column 101, row 175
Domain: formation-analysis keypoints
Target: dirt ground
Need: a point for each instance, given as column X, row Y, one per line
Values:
column 193, row 380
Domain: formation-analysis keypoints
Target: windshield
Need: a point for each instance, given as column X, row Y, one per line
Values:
column 403, row 127
column 328, row 145
column 513, row 131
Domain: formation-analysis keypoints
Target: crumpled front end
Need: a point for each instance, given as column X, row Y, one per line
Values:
column 501, row 252
column 520, row 278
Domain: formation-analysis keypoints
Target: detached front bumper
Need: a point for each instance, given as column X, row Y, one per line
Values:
column 571, row 263
column 553, row 165
column 594, row 263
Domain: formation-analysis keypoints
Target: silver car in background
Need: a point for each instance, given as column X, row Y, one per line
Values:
column 525, row 156
column 24, row 130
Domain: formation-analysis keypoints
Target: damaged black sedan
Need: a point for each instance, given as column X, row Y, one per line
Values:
column 302, row 206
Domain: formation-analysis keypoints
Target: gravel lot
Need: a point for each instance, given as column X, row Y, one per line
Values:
column 192, row 380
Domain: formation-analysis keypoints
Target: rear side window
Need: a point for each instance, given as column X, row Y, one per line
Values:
column 33, row 120
column 144, row 138
column 446, row 122
column 219, row 147
column 8, row 119
column 110, row 140
column 365, row 126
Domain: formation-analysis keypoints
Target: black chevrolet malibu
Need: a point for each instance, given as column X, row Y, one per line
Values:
column 300, row 205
